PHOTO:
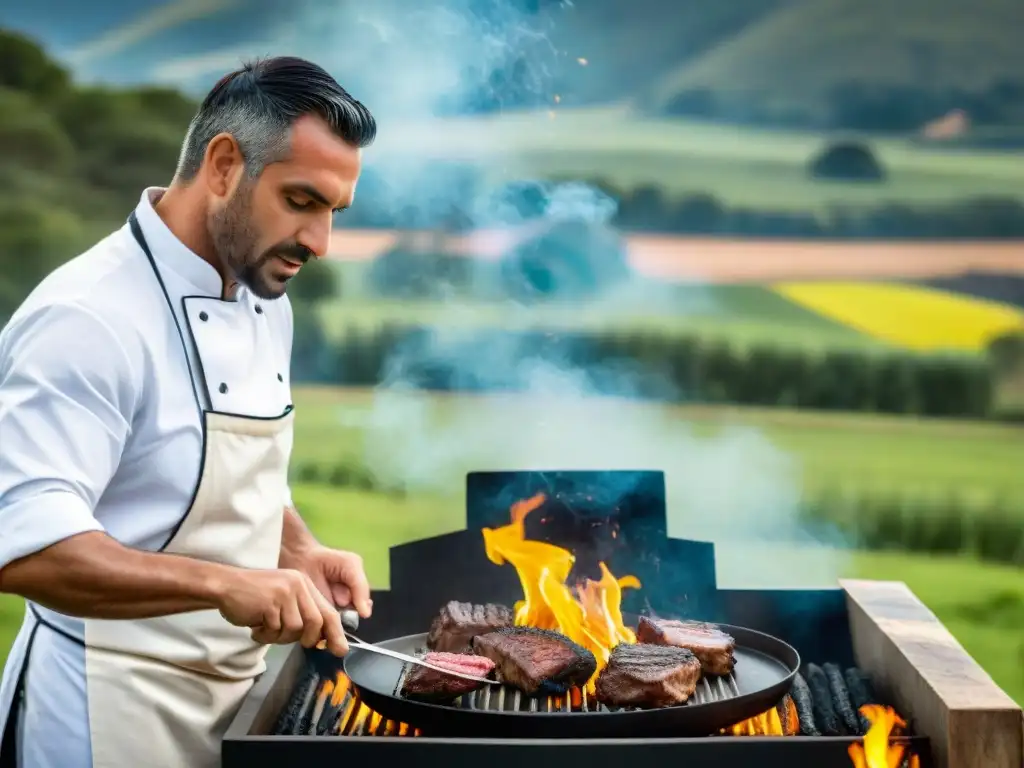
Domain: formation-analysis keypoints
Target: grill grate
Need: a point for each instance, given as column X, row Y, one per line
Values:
column 493, row 698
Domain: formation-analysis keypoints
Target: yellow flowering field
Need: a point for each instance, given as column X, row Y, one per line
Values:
column 907, row 315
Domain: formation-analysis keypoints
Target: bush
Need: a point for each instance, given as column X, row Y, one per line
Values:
column 650, row 365
column 915, row 523
column 344, row 474
column 847, row 161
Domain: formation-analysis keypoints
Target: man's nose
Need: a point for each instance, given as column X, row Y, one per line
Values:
column 316, row 236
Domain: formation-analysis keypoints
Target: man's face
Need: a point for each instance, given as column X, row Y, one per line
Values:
column 274, row 224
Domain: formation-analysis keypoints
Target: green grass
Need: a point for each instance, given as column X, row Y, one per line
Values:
column 741, row 166
column 738, row 314
column 433, row 440
column 982, row 605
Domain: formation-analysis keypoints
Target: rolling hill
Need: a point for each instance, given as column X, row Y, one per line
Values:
column 796, row 58
column 462, row 45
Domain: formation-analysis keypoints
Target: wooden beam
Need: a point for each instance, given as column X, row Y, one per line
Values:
column 920, row 667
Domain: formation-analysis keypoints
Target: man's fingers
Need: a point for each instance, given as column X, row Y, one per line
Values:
column 332, row 631
column 360, row 589
column 341, row 595
column 292, row 622
column 312, row 616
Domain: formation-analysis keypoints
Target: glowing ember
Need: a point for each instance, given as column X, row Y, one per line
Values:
column 777, row 721
column 877, row 751
column 592, row 617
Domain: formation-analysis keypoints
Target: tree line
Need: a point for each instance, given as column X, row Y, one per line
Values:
column 645, row 366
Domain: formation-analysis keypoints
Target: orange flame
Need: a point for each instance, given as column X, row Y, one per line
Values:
column 777, row 721
column 877, row 751
column 593, row 619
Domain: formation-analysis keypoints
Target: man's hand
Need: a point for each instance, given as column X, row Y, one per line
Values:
column 340, row 577
column 281, row 606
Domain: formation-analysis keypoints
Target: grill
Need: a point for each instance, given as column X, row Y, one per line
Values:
column 305, row 708
column 507, row 699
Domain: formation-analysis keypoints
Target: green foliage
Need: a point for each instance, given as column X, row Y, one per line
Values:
column 73, row 161
column 912, row 522
column 665, row 367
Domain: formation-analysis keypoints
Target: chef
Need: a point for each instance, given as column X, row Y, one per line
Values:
column 146, row 427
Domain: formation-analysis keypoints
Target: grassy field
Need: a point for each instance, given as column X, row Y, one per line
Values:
column 740, row 166
column 434, row 440
column 740, row 314
column 982, row 605
column 816, row 315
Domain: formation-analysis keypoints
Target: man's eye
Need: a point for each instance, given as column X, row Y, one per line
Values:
column 297, row 205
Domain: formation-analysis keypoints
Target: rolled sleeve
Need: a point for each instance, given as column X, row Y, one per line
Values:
column 66, row 397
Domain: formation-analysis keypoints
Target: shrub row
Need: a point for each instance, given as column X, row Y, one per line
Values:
column 349, row 475
column 912, row 523
column 905, row 522
column 651, row 366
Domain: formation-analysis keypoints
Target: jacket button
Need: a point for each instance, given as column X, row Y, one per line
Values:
column 203, row 316
column 259, row 310
column 280, row 377
column 223, row 388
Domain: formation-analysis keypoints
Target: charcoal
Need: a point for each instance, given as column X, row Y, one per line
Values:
column 293, row 711
column 647, row 676
column 801, row 694
column 713, row 648
column 305, row 718
column 824, row 713
column 841, row 699
column 536, row 661
column 455, row 626
column 859, row 686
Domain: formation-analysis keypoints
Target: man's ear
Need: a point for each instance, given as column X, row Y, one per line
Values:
column 224, row 165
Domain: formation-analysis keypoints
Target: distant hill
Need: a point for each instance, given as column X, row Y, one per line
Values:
column 477, row 54
column 809, row 53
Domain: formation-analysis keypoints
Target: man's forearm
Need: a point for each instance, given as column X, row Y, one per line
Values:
column 296, row 539
column 93, row 576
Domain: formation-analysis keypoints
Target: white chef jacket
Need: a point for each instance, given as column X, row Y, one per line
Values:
column 100, row 429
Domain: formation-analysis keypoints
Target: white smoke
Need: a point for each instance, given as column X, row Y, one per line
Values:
column 410, row 62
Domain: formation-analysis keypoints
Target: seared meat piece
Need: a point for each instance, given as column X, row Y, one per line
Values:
column 424, row 683
column 458, row 623
column 536, row 660
column 713, row 647
column 642, row 675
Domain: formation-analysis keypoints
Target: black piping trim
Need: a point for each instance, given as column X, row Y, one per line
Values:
column 288, row 409
column 140, row 238
column 195, row 347
column 53, row 627
column 9, row 740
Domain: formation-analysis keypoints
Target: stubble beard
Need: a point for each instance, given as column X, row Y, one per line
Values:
column 234, row 238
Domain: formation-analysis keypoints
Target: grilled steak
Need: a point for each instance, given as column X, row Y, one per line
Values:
column 424, row 683
column 536, row 660
column 713, row 647
column 458, row 623
column 642, row 675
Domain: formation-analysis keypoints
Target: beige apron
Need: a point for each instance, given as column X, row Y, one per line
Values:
column 163, row 691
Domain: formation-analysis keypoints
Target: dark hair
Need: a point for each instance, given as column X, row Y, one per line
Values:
column 258, row 104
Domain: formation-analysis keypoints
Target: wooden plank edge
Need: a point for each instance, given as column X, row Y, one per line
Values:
column 918, row 664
